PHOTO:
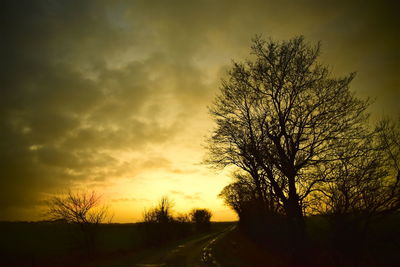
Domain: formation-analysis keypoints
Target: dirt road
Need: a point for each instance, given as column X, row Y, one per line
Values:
column 196, row 252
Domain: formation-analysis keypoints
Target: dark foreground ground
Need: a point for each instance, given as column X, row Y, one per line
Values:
column 196, row 251
column 60, row 244
column 224, row 244
column 377, row 247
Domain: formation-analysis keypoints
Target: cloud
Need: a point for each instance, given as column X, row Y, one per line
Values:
column 193, row 197
column 196, row 196
column 128, row 199
column 174, row 192
column 84, row 84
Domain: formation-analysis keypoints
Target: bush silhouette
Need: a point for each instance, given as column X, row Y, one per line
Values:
column 201, row 219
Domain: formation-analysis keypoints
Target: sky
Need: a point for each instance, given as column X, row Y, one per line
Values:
column 112, row 96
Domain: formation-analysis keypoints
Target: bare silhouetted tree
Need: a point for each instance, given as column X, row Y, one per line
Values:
column 243, row 197
column 161, row 213
column 160, row 226
column 237, row 194
column 283, row 116
column 80, row 208
column 83, row 209
column 363, row 185
column 365, row 181
column 389, row 139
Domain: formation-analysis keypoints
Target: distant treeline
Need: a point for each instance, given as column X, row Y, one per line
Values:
column 63, row 243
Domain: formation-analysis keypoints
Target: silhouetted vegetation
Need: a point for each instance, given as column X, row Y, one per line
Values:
column 78, row 233
column 201, row 219
column 160, row 226
column 302, row 145
column 161, row 213
column 82, row 209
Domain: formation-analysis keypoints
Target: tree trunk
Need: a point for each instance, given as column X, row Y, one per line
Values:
column 298, row 240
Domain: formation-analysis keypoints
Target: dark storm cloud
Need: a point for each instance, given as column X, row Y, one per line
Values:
column 84, row 80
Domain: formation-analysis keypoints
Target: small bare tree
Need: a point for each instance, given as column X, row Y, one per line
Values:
column 83, row 209
column 365, row 181
column 158, row 222
column 161, row 213
column 361, row 187
column 80, row 208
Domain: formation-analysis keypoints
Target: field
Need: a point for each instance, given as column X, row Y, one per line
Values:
column 61, row 244
column 379, row 246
